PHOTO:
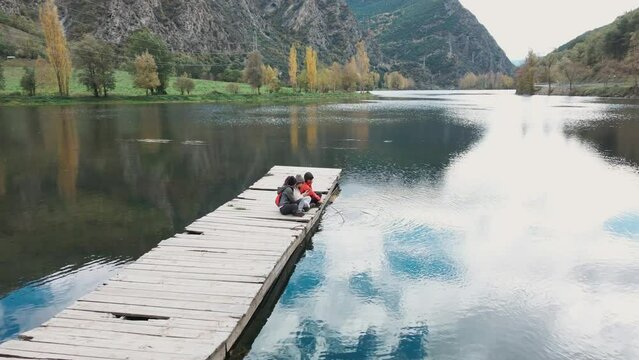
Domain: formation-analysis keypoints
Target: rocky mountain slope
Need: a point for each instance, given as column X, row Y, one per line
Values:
column 214, row 26
column 433, row 41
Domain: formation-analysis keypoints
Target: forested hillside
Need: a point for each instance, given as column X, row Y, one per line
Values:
column 608, row 56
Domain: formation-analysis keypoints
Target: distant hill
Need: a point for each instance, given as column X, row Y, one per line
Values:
column 433, row 41
column 607, row 42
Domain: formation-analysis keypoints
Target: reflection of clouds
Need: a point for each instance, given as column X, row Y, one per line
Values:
column 512, row 255
column 34, row 303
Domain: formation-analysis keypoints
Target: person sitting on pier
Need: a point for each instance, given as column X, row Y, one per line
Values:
column 300, row 194
column 285, row 199
column 316, row 199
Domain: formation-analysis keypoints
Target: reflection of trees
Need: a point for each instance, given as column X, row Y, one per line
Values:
column 311, row 127
column 68, row 152
column 150, row 127
column 295, row 136
column 361, row 127
column 621, row 139
column 3, row 184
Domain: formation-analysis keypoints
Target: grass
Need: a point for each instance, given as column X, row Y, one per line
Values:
column 125, row 92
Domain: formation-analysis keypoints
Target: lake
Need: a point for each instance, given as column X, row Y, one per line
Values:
column 471, row 225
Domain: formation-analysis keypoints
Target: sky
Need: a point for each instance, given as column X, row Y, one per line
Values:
column 543, row 25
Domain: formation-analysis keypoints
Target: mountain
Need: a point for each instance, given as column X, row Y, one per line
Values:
column 433, row 41
column 213, row 26
column 611, row 41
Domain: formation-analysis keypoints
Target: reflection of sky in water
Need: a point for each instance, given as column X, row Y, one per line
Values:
column 420, row 252
column 523, row 247
column 34, row 303
column 624, row 225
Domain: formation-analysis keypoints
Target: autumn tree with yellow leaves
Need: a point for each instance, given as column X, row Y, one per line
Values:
column 292, row 66
column 146, row 72
column 311, row 68
column 363, row 65
column 56, row 45
column 270, row 78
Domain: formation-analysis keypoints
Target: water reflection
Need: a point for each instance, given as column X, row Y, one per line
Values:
column 474, row 226
column 522, row 247
column 111, row 181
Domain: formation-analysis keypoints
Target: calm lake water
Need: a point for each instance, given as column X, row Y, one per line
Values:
column 470, row 225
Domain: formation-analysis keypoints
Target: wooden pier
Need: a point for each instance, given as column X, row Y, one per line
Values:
column 192, row 295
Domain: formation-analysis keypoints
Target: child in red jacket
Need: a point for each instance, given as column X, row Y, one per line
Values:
column 307, row 188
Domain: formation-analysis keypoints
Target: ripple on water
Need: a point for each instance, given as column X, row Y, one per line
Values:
column 419, row 251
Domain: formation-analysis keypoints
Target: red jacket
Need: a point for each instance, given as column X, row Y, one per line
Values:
column 306, row 187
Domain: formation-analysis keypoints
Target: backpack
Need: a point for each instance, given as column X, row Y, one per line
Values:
column 277, row 199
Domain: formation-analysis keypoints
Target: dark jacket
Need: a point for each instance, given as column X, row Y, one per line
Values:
column 286, row 195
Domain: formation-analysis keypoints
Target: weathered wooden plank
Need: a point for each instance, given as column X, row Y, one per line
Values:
column 90, row 337
column 132, row 327
column 190, row 304
column 193, row 276
column 46, row 355
column 71, row 351
column 161, row 324
column 191, row 270
column 221, row 318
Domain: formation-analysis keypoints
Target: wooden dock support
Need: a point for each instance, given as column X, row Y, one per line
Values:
column 192, row 296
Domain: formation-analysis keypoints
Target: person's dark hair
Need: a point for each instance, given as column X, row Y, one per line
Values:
column 308, row 176
column 290, row 181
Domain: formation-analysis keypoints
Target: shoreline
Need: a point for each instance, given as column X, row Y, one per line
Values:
column 297, row 98
column 597, row 90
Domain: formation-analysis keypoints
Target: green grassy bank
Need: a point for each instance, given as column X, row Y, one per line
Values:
column 621, row 90
column 205, row 91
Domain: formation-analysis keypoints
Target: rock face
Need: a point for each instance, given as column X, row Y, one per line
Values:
column 216, row 26
column 433, row 41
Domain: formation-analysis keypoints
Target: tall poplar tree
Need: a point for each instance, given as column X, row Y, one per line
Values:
column 311, row 68
column 363, row 65
column 292, row 66
column 56, row 45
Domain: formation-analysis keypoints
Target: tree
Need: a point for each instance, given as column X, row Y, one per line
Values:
column 270, row 78
column 323, row 80
column 373, row 80
column 292, row 66
column 311, row 68
column 396, row 81
column 469, row 81
column 184, row 84
column 526, row 74
column 253, row 70
column 548, row 70
column 349, row 75
column 97, row 61
column 336, row 76
column 56, row 45
column 146, row 73
column 572, row 71
column 1, row 76
column 231, row 75
column 145, row 41
column 28, row 81
column 363, row 65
